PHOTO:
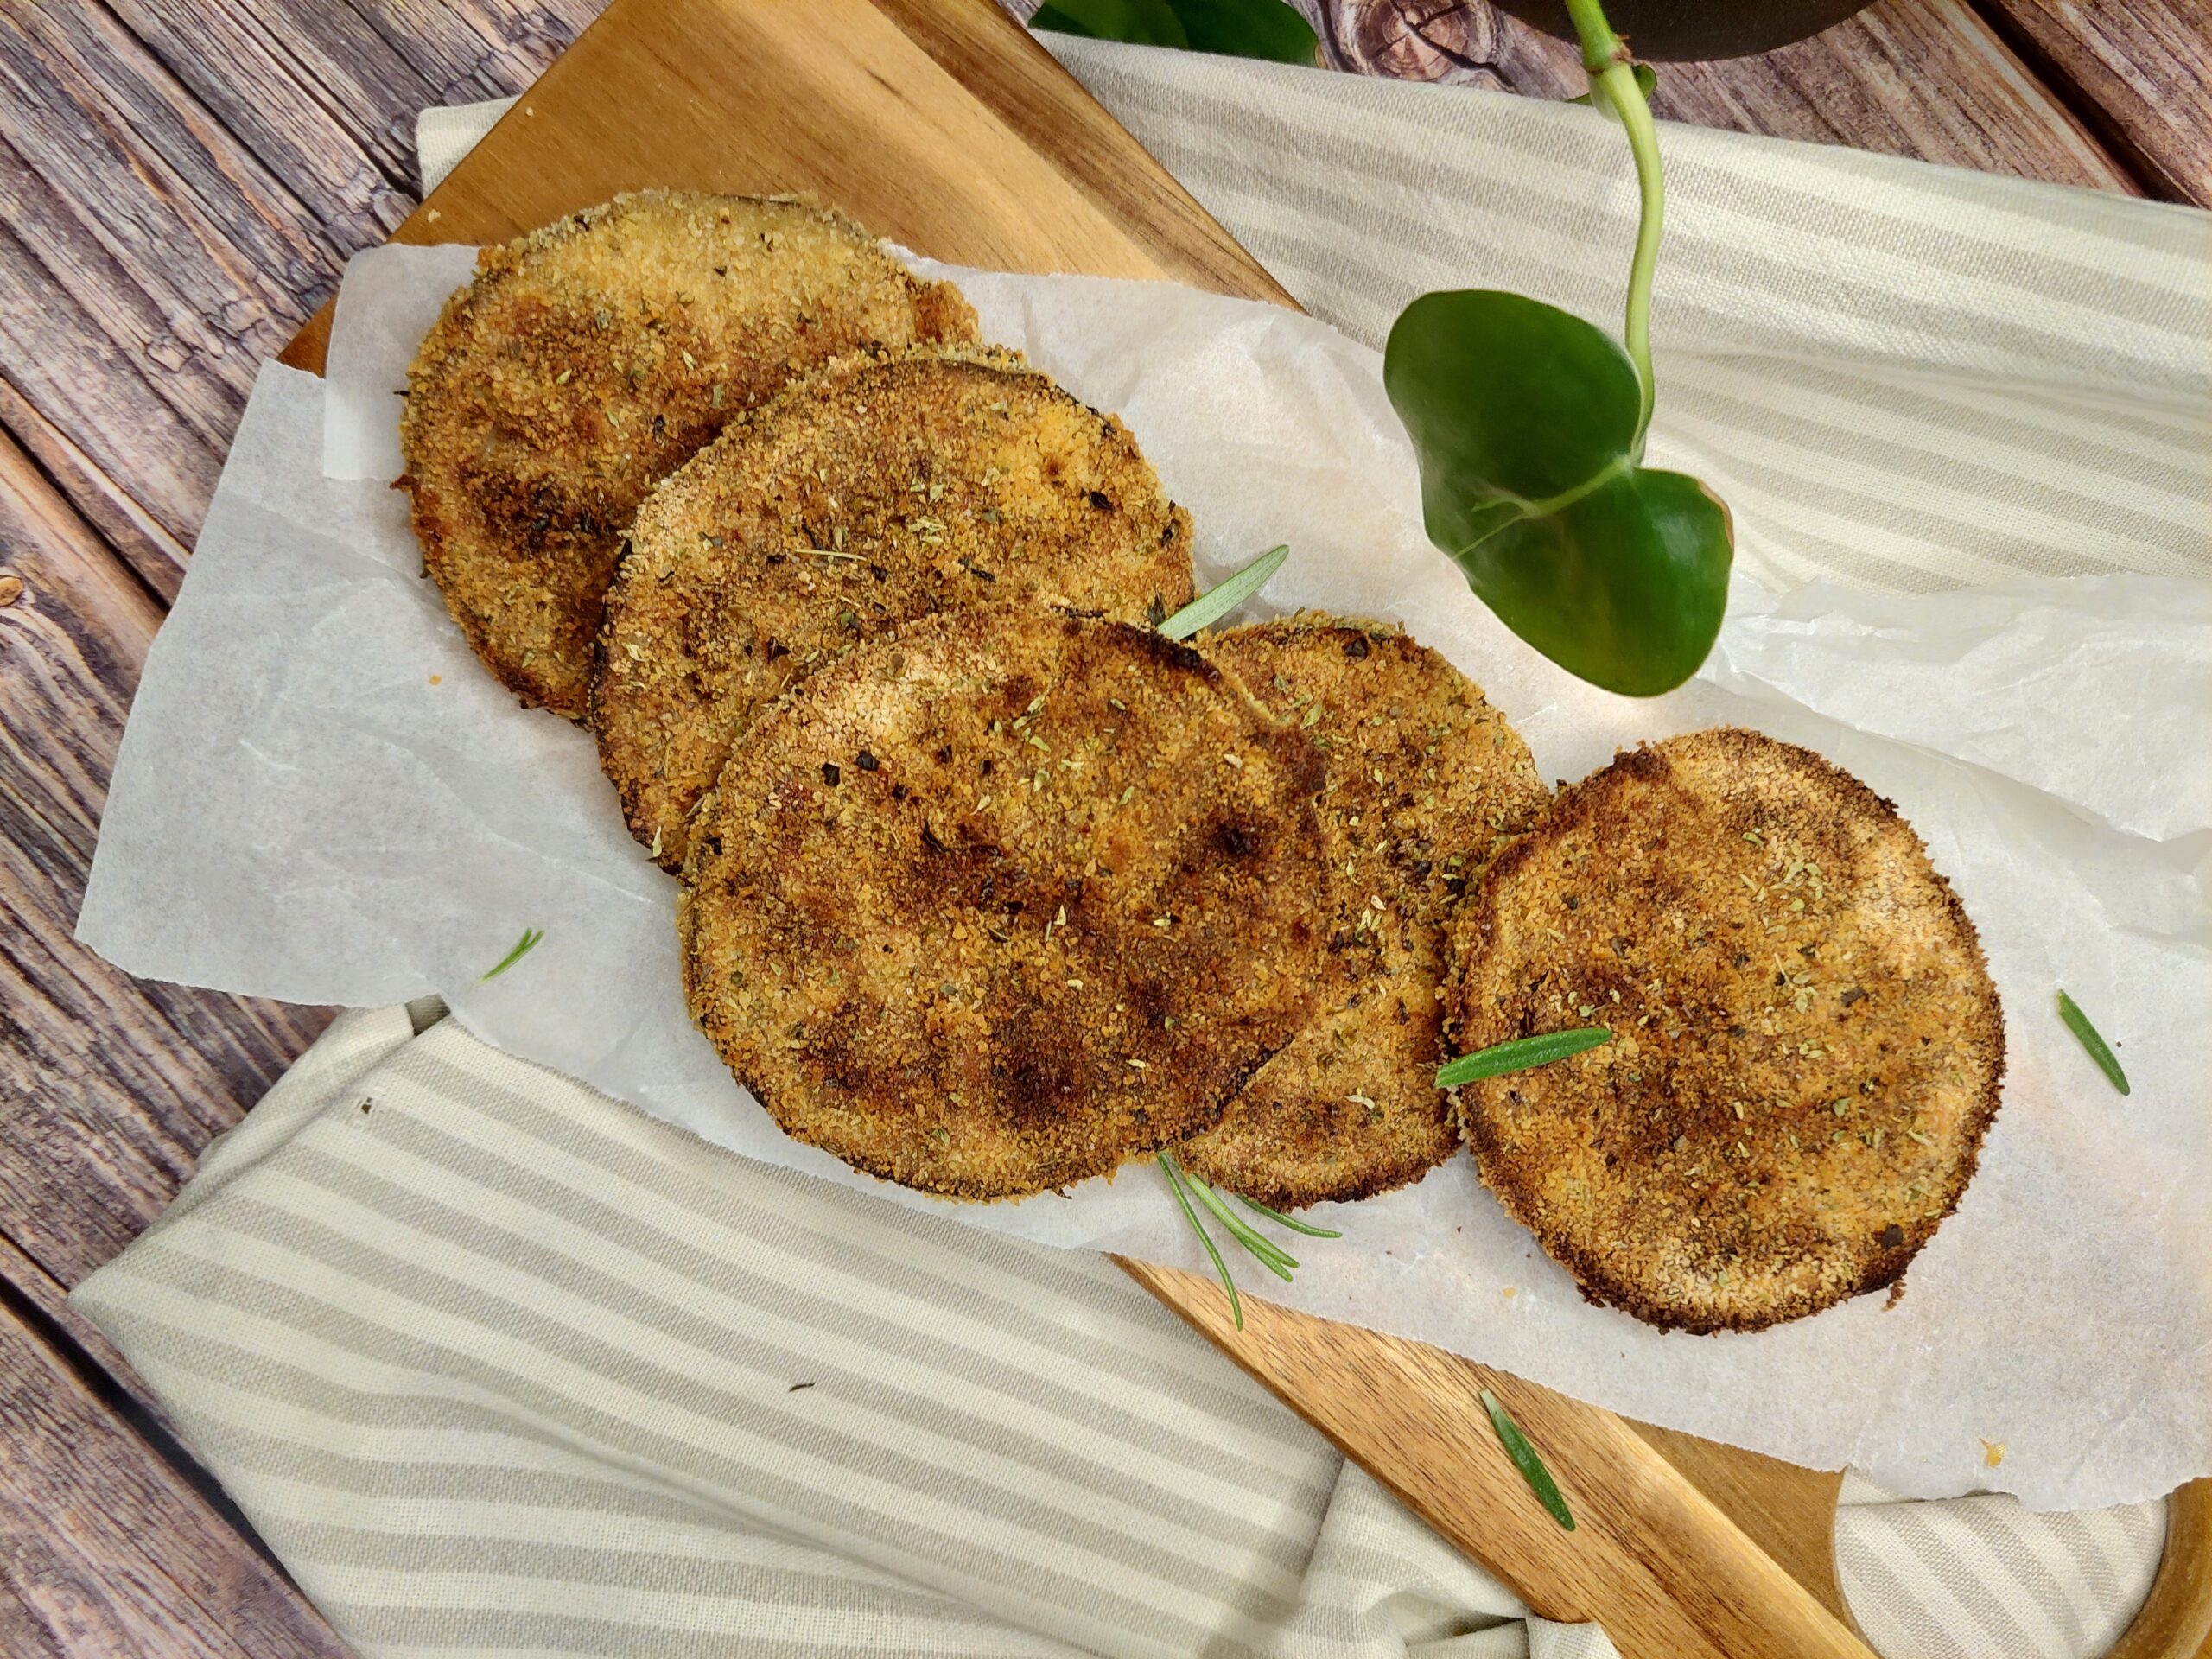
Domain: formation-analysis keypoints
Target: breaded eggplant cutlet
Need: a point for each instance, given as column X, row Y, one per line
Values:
column 1425, row 782
column 591, row 358
column 1004, row 898
column 865, row 496
column 1807, row 1050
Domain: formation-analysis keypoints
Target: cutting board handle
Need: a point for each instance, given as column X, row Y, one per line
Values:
column 1653, row 1558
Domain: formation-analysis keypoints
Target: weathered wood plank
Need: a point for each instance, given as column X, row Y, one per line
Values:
column 176, row 193
column 152, row 262
column 2140, row 72
column 46, row 1301
column 481, row 49
column 154, row 554
column 110, row 1550
column 1921, row 78
column 311, row 86
column 96, row 393
column 109, row 1086
column 41, row 1302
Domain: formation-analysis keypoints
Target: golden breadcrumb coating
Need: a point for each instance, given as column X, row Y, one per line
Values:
column 1004, row 898
column 1425, row 782
column 867, row 495
column 1807, row 1048
column 589, row 359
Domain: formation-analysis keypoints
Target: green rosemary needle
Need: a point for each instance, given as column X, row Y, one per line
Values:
column 1525, row 1460
column 1219, row 600
column 1271, row 1256
column 1174, row 1171
column 524, row 946
column 1290, row 1222
column 1521, row 1053
column 2099, row 1050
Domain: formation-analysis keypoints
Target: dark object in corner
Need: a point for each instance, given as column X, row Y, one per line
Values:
column 1685, row 30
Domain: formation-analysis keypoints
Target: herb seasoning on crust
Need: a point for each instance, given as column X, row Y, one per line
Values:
column 866, row 496
column 1807, row 1045
column 1425, row 782
column 589, row 359
column 1071, row 906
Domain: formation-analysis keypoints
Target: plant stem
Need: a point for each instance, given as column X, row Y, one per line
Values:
column 1613, row 75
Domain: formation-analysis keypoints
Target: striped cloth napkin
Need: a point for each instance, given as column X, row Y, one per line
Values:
column 496, row 1362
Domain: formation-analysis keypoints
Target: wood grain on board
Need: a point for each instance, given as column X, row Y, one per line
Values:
column 1652, row 1557
column 2140, row 73
column 1926, row 79
column 180, row 181
column 110, row 1550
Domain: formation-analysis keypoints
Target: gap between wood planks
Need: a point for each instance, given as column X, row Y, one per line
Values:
column 98, row 1374
column 2137, row 75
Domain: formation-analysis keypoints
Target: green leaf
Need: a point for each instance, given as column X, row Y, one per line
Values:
column 1516, row 400
column 1525, row 1460
column 1290, row 1222
column 2099, row 1050
column 1140, row 22
column 1225, row 595
column 1527, row 424
column 1626, row 588
column 1267, row 29
column 1270, row 1255
column 1521, row 1053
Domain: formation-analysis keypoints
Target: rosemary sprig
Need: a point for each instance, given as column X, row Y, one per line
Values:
column 1220, row 599
column 1290, row 1222
column 2099, row 1050
column 1272, row 1257
column 524, row 946
column 1525, row 1460
column 1522, row 1053
column 1269, row 1255
column 1174, row 1171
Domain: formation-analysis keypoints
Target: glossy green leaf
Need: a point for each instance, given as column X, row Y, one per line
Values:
column 1507, row 399
column 1236, row 28
column 1140, row 22
column 1625, row 589
column 1527, row 425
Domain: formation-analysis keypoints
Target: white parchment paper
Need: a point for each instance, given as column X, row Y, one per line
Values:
column 320, row 797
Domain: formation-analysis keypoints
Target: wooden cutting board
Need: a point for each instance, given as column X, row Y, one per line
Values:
column 941, row 124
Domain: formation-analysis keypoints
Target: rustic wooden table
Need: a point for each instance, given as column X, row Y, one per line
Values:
column 180, row 184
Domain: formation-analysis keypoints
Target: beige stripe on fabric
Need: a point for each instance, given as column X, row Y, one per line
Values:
column 1897, row 377
column 497, row 1353
column 879, row 1498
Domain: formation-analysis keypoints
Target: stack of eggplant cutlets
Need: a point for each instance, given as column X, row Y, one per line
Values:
column 989, row 886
